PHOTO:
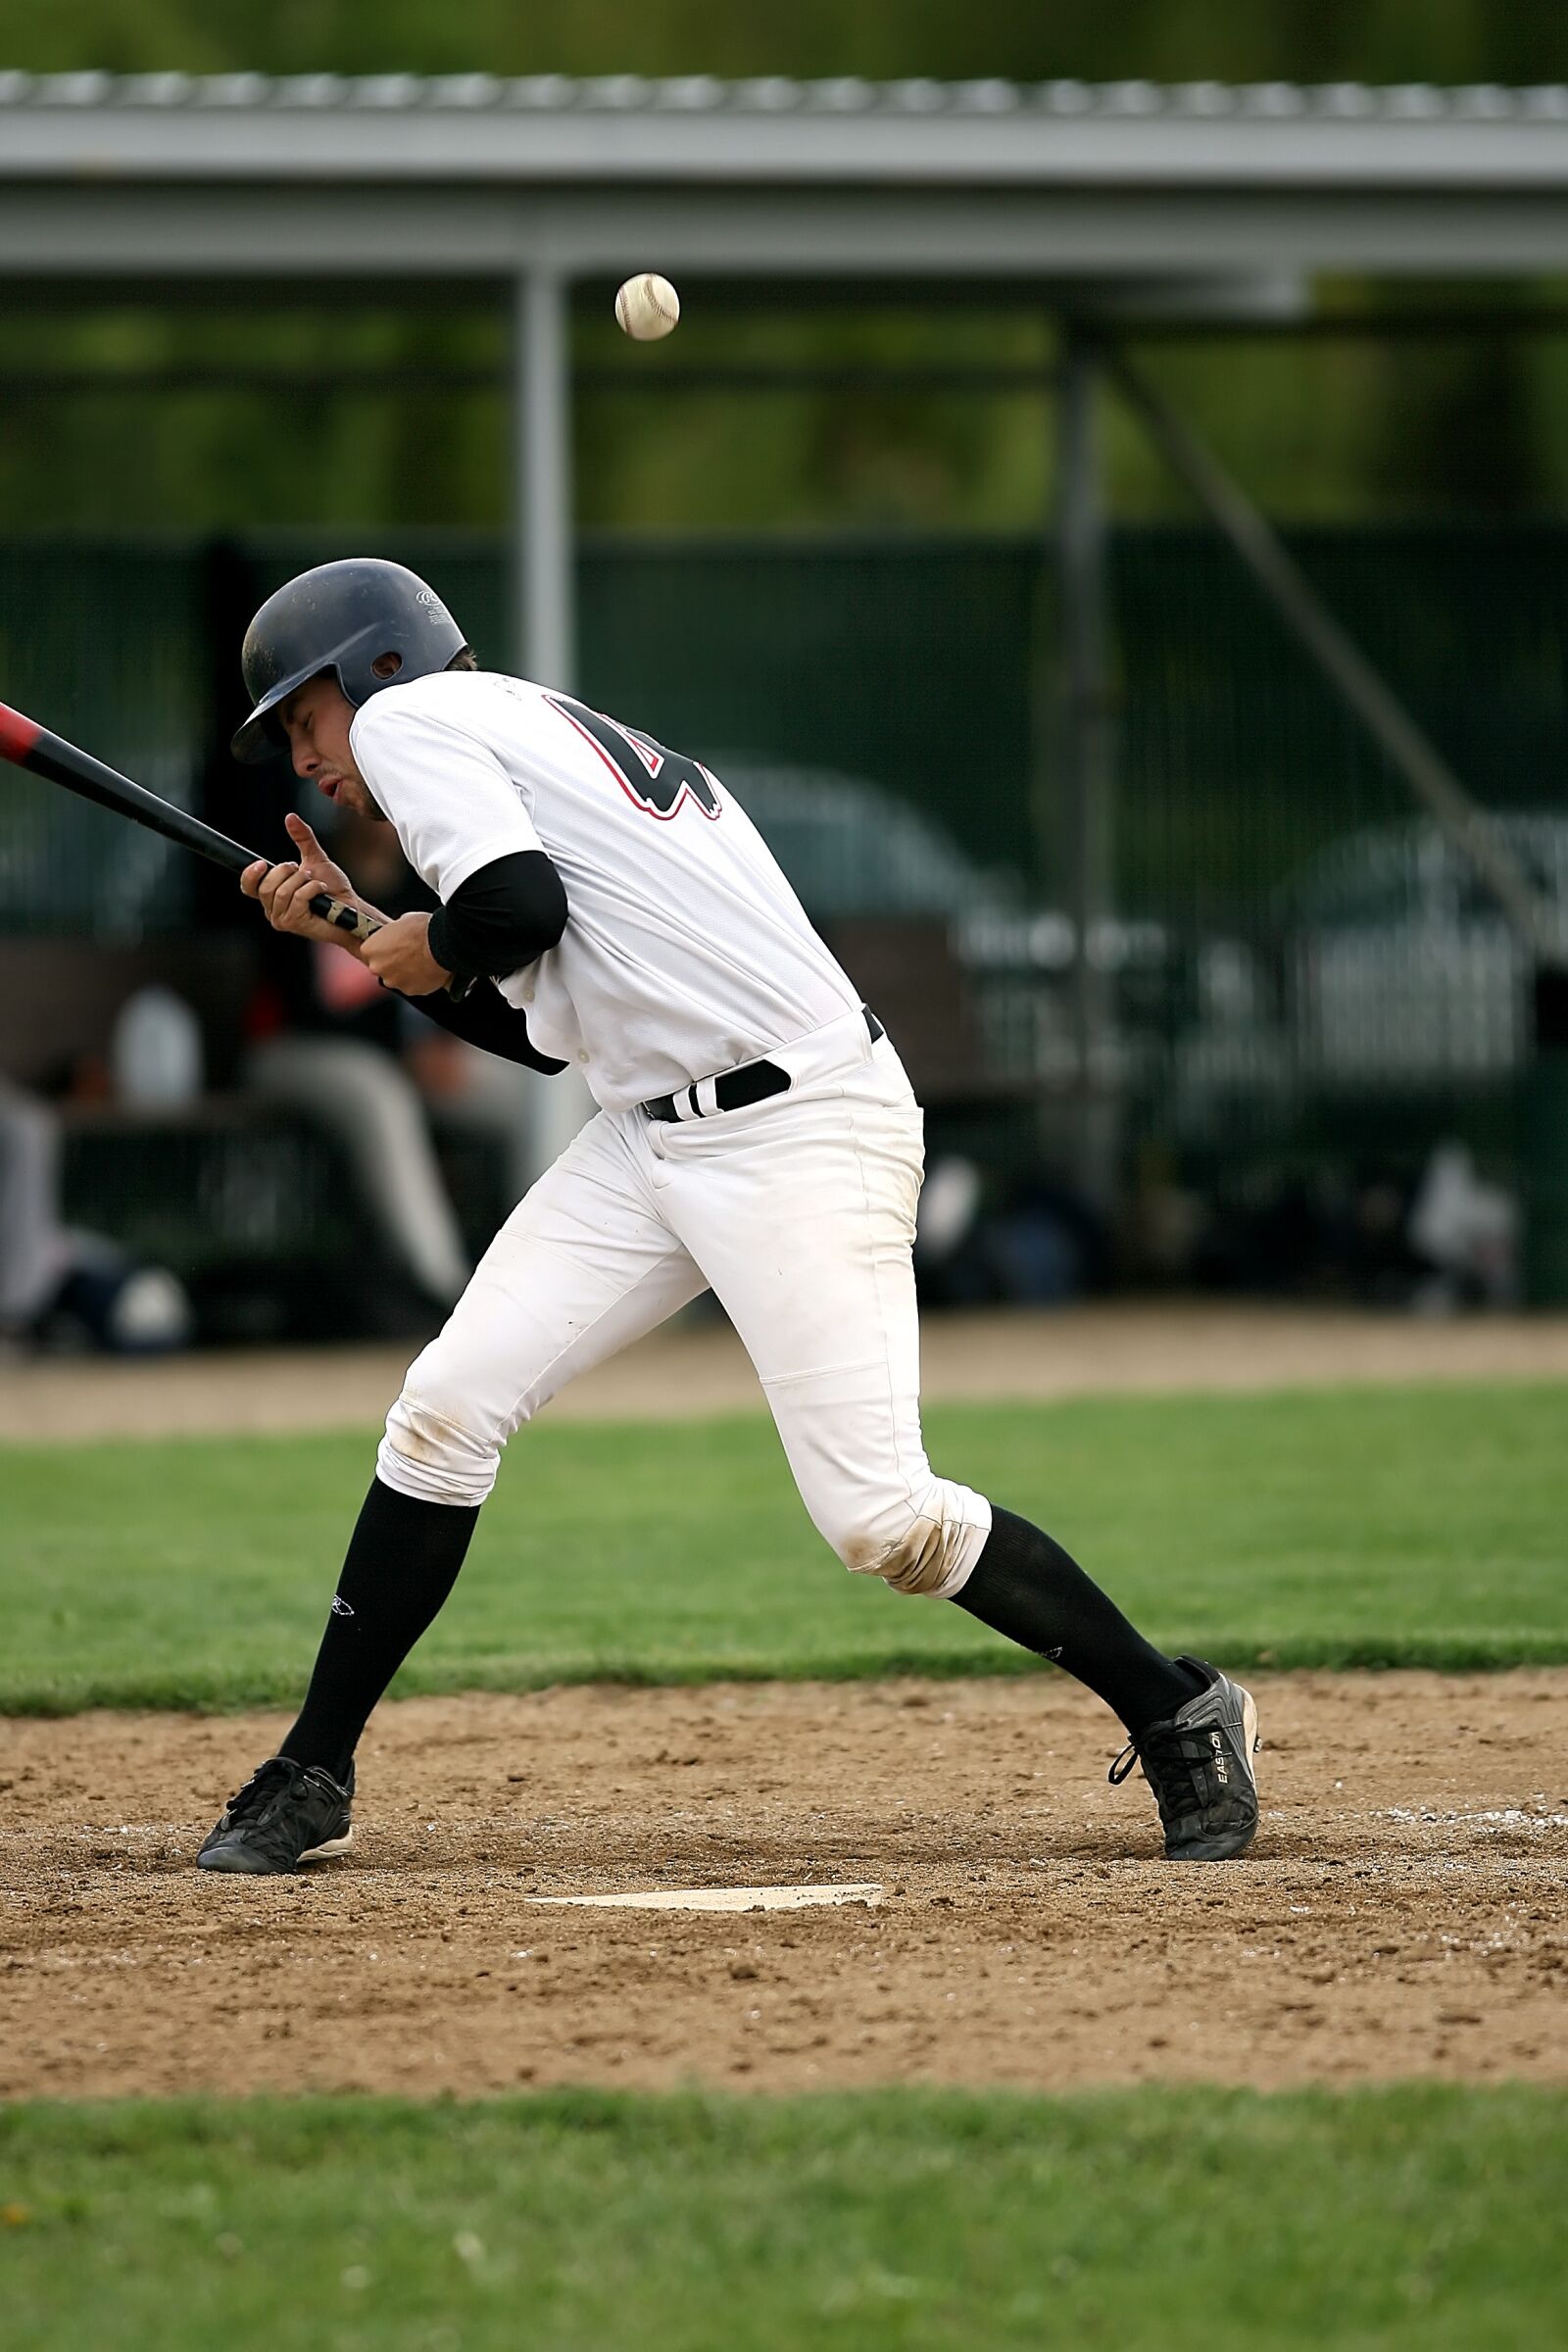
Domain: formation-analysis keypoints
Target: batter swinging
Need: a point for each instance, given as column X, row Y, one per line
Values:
column 756, row 1136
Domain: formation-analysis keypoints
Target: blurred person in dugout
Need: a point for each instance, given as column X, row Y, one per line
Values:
column 60, row 1287
column 328, row 1040
column 35, row 1252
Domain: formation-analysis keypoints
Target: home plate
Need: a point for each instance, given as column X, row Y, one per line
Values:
column 721, row 1898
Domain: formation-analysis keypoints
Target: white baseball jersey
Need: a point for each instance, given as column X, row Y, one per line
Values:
column 685, row 952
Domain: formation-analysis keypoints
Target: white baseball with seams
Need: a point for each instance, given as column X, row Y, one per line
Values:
column 686, row 955
column 646, row 308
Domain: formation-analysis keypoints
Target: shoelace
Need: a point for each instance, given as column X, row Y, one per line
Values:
column 267, row 1781
column 1177, row 1761
column 263, row 1810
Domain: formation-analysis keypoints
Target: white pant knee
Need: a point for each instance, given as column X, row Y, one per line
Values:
column 430, row 1452
column 922, row 1541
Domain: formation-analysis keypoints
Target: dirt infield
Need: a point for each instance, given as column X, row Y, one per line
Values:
column 1403, row 1912
column 698, row 1367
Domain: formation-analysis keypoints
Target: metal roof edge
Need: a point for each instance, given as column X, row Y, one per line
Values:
column 1410, row 103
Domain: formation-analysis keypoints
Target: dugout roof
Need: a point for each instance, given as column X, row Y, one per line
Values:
column 1197, row 201
column 168, row 175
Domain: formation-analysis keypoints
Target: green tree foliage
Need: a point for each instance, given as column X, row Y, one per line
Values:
column 1164, row 41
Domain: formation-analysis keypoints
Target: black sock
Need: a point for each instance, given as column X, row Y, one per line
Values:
column 402, row 1560
column 1025, row 1586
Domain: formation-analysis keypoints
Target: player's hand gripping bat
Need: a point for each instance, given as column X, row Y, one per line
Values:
column 32, row 747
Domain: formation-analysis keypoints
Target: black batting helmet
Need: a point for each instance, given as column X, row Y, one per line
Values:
column 370, row 623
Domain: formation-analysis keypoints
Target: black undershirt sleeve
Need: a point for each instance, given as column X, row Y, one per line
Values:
column 484, row 1018
column 501, row 919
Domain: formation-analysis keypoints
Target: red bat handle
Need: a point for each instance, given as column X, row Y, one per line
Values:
column 17, row 735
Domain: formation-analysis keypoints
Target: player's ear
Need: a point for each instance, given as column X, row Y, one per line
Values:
column 386, row 665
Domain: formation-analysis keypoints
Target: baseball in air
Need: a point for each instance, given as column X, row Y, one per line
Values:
column 646, row 308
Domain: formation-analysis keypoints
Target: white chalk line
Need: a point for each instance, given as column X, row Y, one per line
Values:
column 718, row 1898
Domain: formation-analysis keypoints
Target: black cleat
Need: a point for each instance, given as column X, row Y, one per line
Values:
column 285, row 1814
column 1198, row 1762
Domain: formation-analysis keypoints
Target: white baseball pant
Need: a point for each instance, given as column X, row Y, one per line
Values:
column 799, row 1213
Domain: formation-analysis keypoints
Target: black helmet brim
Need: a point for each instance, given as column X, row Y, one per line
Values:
column 262, row 736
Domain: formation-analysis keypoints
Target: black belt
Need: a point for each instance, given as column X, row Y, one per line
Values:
column 738, row 1089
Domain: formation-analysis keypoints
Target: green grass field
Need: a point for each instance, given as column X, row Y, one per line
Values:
column 1375, row 1526
column 894, row 2222
column 1378, row 1527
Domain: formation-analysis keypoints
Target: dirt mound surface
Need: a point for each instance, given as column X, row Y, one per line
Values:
column 1113, row 1347
column 1404, row 1911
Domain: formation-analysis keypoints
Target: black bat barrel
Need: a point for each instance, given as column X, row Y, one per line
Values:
column 61, row 763
column 30, row 746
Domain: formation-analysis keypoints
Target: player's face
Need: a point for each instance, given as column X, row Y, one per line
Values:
column 316, row 721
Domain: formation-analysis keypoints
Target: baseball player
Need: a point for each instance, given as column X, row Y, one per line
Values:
column 612, row 907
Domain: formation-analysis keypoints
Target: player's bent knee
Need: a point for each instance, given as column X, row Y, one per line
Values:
column 427, row 1453
column 922, row 1545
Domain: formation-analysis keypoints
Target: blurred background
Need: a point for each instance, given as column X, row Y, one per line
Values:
column 1103, row 512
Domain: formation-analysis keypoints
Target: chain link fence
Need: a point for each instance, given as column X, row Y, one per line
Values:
column 1300, row 966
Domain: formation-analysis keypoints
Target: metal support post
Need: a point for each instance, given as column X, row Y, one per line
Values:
column 1434, row 784
column 1087, row 768
column 1343, row 664
column 544, row 571
column 543, row 584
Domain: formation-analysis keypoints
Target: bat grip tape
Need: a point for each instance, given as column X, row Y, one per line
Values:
column 344, row 917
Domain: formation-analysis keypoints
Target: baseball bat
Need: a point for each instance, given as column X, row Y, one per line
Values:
column 30, row 746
